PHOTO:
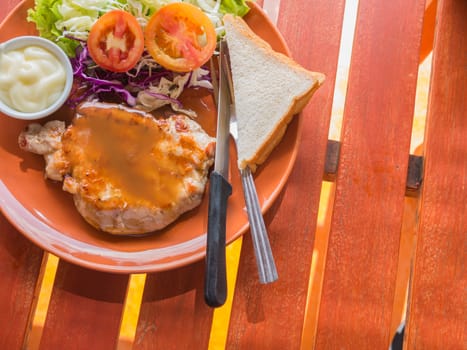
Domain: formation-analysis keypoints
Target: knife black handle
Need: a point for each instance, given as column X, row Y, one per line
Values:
column 215, row 288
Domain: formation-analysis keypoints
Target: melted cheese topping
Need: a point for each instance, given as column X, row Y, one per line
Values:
column 31, row 79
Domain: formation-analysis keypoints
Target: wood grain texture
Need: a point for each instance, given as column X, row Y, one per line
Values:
column 438, row 306
column 271, row 316
column 361, row 267
column 85, row 309
column 20, row 262
column 173, row 312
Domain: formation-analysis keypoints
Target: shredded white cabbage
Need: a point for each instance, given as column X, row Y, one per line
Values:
column 212, row 9
column 172, row 89
column 78, row 16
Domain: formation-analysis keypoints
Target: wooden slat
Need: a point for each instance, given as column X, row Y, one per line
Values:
column 271, row 316
column 173, row 312
column 20, row 263
column 361, row 267
column 438, row 306
column 85, row 309
column 414, row 171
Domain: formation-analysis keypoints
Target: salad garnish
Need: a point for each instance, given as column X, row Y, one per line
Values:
column 143, row 82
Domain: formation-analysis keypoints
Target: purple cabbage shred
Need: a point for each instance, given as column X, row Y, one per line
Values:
column 92, row 81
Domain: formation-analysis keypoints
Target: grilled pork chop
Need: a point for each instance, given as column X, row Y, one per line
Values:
column 129, row 173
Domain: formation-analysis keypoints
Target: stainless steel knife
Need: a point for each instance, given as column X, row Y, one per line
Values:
column 215, row 291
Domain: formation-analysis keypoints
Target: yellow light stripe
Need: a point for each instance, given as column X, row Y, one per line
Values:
column 131, row 309
column 44, row 292
column 221, row 316
column 315, row 283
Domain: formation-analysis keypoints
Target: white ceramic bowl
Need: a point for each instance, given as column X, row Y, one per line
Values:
column 23, row 41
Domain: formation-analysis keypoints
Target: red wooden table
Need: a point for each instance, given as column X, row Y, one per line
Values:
column 355, row 300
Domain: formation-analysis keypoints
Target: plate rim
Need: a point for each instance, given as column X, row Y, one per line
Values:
column 11, row 213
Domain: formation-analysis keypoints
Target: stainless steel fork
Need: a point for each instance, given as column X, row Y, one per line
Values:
column 264, row 259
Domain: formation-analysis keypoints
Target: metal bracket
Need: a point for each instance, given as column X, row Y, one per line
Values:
column 414, row 171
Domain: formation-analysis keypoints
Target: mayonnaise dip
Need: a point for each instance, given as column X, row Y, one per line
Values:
column 31, row 78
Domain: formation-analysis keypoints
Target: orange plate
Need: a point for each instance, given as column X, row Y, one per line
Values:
column 46, row 215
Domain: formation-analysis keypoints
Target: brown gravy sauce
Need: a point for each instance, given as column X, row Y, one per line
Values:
column 130, row 151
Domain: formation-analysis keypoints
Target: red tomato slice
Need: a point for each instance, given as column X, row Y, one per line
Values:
column 116, row 41
column 180, row 37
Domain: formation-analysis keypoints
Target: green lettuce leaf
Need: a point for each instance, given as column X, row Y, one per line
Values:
column 45, row 14
column 57, row 20
column 236, row 7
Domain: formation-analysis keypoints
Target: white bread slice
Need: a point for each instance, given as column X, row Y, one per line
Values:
column 269, row 89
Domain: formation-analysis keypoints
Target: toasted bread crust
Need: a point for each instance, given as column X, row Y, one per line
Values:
column 297, row 102
column 278, row 133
